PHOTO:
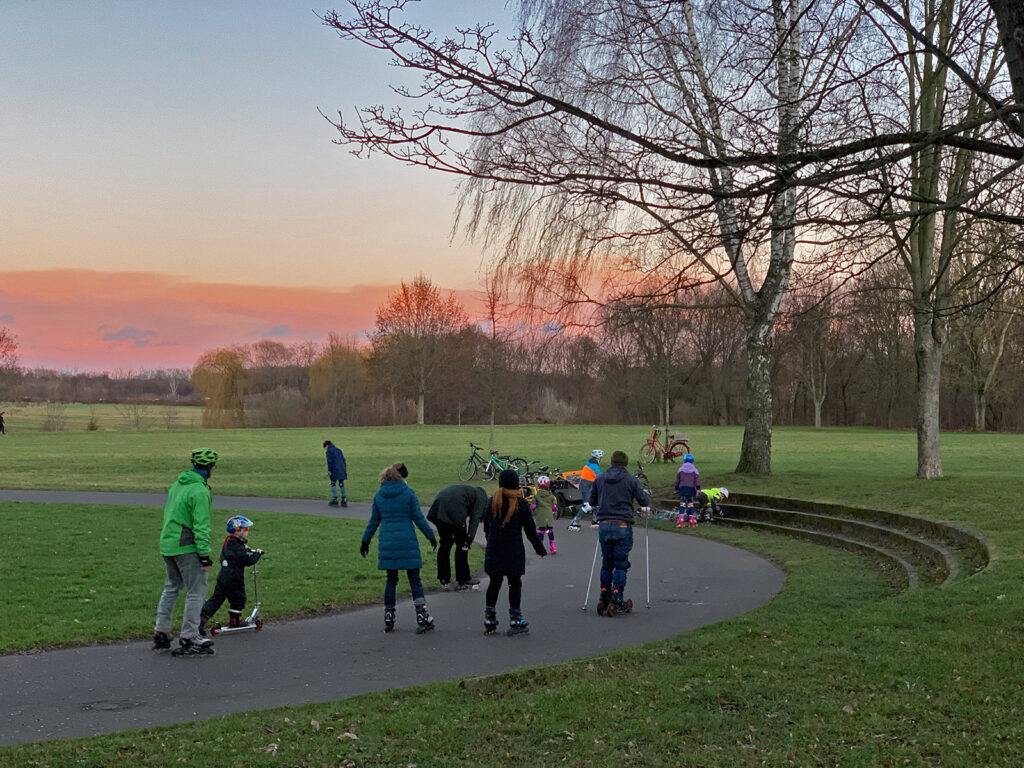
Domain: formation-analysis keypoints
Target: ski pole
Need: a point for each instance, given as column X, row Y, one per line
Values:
column 647, row 541
column 590, row 581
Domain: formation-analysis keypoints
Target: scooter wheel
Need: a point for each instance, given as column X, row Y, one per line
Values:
column 259, row 624
column 215, row 630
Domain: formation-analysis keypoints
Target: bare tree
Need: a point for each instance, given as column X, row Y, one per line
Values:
column 8, row 348
column 990, row 303
column 414, row 325
column 654, row 135
column 496, row 373
column 656, row 335
column 950, row 70
column 814, row 332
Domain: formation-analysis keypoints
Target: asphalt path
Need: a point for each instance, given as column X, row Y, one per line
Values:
column 77, row 692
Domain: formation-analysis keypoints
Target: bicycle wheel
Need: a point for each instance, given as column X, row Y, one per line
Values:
column 676, row 449
column 488, row 470
column 648, row 454
column 519, row 464
column 467, row 470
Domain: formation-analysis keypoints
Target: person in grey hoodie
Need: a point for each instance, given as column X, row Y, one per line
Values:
column 613, row 494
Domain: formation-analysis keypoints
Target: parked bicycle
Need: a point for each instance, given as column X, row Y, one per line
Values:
column 476, row 464
column 653, row 449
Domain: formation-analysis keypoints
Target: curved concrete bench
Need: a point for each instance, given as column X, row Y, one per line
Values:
column 934, row 563
column 970, row 548
column 902, row 573
column 917, row 548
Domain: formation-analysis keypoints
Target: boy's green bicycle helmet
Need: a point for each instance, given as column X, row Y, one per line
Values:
column 204, row 457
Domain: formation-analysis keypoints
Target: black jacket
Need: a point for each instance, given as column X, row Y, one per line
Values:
column 456, row 504
column 235, row 556
column 614, row 492
column 505, row 552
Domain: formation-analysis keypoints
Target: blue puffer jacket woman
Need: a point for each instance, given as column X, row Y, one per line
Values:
column 396, row 511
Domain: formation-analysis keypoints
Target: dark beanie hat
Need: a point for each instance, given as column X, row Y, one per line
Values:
column 402, row 469
column 619, row 459
column 509, row 478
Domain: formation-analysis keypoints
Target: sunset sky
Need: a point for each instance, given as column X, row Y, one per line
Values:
column 169, row 186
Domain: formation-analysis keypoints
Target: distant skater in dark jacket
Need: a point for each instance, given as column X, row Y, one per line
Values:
column 337, row 473
column 235, row 557
column 506, row 521
column 396, row 511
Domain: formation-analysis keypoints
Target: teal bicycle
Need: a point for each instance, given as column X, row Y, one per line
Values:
column 490, row 467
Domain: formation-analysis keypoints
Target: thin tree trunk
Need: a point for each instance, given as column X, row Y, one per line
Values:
column 980, row 406
column 419, row 408
column 756, row 451
column 490, row 441
column 1010, row 18
column 817, row 412
column 928, row 353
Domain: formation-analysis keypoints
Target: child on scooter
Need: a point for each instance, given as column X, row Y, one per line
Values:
column 235, row 556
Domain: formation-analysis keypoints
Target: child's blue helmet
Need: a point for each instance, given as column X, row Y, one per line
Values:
column 688, row 457
column 238, row 522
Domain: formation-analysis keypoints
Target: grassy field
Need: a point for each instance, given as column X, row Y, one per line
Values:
column 834, row 672
column 102, row 417
column 95, row 576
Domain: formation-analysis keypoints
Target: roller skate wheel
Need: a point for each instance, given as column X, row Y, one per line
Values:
column 610, row 611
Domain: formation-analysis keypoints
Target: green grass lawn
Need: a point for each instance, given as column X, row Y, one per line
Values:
column 102, row 417
column 834, row 671
column 96, row 575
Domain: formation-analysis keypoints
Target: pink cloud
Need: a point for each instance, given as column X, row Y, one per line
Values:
column 90, row 320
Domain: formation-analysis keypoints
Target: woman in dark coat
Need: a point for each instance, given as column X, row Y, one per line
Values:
column 396, row 511
column 506, row 520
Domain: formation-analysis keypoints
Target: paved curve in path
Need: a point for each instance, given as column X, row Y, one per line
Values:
column 106, row 688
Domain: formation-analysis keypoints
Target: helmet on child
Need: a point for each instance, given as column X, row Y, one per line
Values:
column 238, row 522
column 543, row 481
column 725, row 492
column 204, row 457
column 687, row 457
column 597, row 453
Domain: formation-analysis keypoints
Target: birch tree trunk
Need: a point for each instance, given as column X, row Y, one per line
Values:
column 928, row 354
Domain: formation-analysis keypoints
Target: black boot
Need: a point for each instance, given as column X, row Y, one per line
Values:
column 389, row 619
column 161, row 641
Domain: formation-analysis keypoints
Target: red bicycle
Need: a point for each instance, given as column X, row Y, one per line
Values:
column 654, row 450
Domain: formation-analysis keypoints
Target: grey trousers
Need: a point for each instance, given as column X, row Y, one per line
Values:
column 182, row 571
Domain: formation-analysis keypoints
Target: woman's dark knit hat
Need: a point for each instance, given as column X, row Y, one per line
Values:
column 509, row 478
column 620, row 459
